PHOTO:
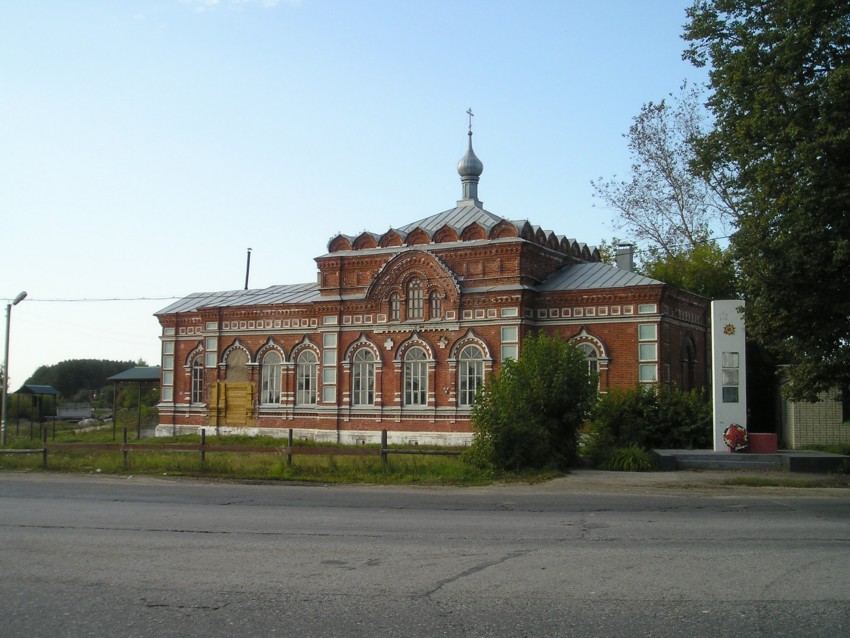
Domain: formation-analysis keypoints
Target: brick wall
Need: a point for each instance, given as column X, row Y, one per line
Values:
column 485, row 286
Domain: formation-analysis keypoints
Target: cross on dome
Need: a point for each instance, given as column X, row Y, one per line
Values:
column 470, row 168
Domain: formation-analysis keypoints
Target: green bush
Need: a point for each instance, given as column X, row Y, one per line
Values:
column 648, row 417
column 630, row 459
column 528, row 416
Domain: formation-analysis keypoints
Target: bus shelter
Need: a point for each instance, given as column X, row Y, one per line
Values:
column 139, row 376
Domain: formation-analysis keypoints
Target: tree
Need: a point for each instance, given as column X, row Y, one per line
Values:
column 528, row 416
column 664, row 205
column 780, row 76
column 704, row 269
column 76, row 376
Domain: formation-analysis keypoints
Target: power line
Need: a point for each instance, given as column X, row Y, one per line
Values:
column 101, row 299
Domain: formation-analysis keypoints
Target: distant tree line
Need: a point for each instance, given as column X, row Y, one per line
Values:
column 80, row 379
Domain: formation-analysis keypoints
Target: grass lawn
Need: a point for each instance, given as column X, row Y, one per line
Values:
column 271, row 465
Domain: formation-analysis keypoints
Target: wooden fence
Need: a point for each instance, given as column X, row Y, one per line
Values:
column 203, row 449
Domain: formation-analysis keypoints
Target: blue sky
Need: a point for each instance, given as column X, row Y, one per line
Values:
column 148, row 143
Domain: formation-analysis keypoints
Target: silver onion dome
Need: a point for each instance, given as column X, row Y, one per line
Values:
column 469, row 165
column 470, row 168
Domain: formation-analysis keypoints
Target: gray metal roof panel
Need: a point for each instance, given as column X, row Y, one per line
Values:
column 286, row 294
column 592, row 275
column 458, row 217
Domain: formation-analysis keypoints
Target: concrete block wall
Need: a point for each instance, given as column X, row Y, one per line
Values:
column 818, row 423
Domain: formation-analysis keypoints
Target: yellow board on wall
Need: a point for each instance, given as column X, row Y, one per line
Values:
column 233, row 403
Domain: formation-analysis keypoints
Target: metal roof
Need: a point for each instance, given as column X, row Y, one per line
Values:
column 139, row 373
column 30, row 388
column 290, row 293
column 592, row 275
column 459, row 217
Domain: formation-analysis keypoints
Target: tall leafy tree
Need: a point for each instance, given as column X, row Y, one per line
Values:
column 663, row 205
column 780, row 80
column 529, row 415
column 705, row 269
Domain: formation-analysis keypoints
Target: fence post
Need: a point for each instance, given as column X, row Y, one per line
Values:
column 289, row 450
column 203, row 448
column 384, row 448
column 44, row 448
column 124, row 447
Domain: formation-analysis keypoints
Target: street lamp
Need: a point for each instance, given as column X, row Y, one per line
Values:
column 21, row 296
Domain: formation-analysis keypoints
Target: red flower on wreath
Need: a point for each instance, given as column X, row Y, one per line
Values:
column 735, row 437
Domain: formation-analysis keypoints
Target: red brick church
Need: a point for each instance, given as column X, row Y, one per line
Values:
column 402, row 327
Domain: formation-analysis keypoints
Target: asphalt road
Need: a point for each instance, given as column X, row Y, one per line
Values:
column 105, row 556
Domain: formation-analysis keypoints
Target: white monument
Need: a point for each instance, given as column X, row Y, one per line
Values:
column 728, row 368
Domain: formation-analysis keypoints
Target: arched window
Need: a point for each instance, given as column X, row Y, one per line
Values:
column 363, row 378
column 688, row 366
column 395, row 307
column 415, row 377
column 306, row 374
column 198, row 379
column 415, row 302
column 470, row 374
column 436, row 306
column 272, row 367
column 592, row 356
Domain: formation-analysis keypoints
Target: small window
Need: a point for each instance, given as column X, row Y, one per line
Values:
column 415, row 306
column 510, row 334
column 328, row 394
column 648, row 373
column 510, row 351
column 436, row 306
column 395, row 307
column 198, row 379
column 647, row 352
column 647, row 332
